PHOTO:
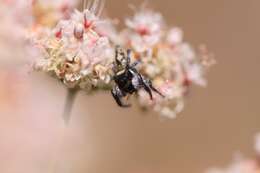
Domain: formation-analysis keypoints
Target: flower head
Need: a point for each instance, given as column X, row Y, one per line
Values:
column 75, row 53
column 170, row 62
column 79, row 51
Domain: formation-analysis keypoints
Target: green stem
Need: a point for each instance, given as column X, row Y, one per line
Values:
column 70, row 99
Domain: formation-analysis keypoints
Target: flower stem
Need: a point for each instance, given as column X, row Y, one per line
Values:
column 71, row 95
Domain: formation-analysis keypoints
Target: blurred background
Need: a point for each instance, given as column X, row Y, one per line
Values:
column 102, row 138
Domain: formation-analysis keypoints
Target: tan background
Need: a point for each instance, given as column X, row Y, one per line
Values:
column 102, row 138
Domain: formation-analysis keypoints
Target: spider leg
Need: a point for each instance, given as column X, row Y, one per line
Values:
column 149, row 83
column 136, row 63
column 128, row 59
column 142, row 83
column 148, row 90
column 138, row 83
column 118, row 95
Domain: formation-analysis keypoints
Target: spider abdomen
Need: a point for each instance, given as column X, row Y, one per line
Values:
column 124, row 82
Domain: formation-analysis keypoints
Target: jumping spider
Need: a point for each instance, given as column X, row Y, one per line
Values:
column 127, row 78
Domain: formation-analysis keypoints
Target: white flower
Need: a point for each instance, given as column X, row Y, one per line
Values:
column 98, row 51
column 145, row 30
column 169, row 106
column 146, row 22
column 107, row 28
column 175, row 36
column 139, row 43
column 195, row 74
column 186, row 53
column 193, row 70
column 238, row 166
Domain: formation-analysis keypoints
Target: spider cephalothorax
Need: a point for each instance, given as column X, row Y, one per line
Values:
column 127, row 78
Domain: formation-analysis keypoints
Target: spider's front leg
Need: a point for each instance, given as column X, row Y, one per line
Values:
column 118, row 95
column 148, row 86
column 138, row 83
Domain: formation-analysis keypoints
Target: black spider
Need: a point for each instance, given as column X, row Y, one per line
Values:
column 127, row 78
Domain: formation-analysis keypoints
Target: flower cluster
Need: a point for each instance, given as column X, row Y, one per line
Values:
column 21, row 20
column 241, row 165
column 170, row 62
column 76, row 54
column 79, row 51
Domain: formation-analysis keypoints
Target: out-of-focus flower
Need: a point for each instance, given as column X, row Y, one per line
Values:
column 175, row 36
column 257, row 144
column 33, row 13
column 48, row 13
column 207, row 58
column 12, row 31
column 240, row 165
column 22, row 19
column 12, row 89
column 107, row 28
column 75, row 53
column 169, row 106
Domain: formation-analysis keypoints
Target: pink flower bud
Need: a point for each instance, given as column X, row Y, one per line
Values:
column 58, row 34
column 79, row 31
column 87, row 23
column 143, row 31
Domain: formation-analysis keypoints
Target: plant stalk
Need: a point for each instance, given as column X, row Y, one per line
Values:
column 70, row 99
